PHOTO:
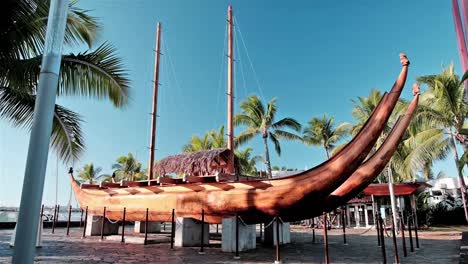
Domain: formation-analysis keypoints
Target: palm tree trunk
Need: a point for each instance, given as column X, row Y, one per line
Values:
column 267, row 156
column 461, row 181
column 326, row 151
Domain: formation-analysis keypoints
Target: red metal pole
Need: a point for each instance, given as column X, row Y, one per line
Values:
column 344, row 226
column 122, row 240
column 325, row 237
column 172, row 228
column 278, row 256
column 382, row 237
column 237, row 237
column 54, row 219
column 85, row 223
column 405, row 254
column 68, row 221
column 155, row 103
column 202, row 233
column 410, row 235
column 103, row 223
column 230, row 91
column 313, row 230
column 146, row 228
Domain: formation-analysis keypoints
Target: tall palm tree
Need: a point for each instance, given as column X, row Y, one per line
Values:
column 196, row 143
column 96, row 74
column 448, row 110
column 323, row 132
column 89, row 173
column 127, row 167
column 261, row 120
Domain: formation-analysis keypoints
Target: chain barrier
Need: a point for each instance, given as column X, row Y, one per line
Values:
column 269, row 224
column 242, row 221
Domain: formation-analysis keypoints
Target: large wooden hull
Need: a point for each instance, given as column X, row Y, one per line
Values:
column 256, row 200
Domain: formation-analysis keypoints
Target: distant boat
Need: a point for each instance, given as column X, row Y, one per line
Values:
column 211, row 187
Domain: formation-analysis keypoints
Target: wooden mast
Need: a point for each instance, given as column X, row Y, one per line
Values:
column 230, row 92
column 155, row 103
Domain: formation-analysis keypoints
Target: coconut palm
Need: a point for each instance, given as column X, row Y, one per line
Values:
column 321, row 131
column 247, row 162
column 89, row 173
column 96, row 74
column 261, row 120
column 216, row 139
column 448, row 111
column 127, row 167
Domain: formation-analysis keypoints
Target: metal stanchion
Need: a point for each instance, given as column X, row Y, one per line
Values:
column 172, row 228
column 53, row 219
column 261, row 231
column 103, row 223
column 377, row 228
column 402, row 227
column 42, row 212
column 217, row 232
column 81, row 217
column 395, row 246
column 278, row 256
column 382, row 241
column 344, row 226
column 146, row 227
column 237, row 237
column 416, row 231
column 122, row 240
column 313, row 230
column 325, row 237
column 85, row 223
column 202, row 233
column 68, row 221
column 410, row 235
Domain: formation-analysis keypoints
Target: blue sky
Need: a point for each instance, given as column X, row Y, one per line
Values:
column 313, row 56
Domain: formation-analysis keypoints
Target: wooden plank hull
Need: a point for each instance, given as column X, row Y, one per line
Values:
column 255, row 200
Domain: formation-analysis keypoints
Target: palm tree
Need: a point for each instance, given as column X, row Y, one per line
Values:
column 89, row 173
column 127, row 167
column 247, row 162
column 95, row 74
column 448, row 111
column 216, row 139
column 259, row 120
column 322, row 132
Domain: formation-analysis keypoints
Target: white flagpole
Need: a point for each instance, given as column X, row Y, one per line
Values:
column 36, row 163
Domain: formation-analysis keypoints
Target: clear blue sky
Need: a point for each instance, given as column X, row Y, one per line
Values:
column 313, row 56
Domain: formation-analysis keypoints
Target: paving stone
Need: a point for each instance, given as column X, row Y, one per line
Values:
column 436, row 247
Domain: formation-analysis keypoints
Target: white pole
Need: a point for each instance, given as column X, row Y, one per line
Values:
column 36, row 163
column 392, row 195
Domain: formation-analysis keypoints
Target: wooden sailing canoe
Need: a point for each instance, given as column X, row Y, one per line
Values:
column 256, row 199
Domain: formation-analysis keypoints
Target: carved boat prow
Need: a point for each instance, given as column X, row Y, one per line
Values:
column 254, row 199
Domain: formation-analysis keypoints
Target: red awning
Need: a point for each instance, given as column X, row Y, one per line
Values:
column 399, row 188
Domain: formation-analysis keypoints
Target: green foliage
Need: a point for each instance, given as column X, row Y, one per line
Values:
column 95, row 74
column 128, row 168
column 322, row 132
column 260, row 120
column 89, row 173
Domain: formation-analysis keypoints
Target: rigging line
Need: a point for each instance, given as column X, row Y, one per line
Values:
column 236, row 23
column 241, row 70
column 222, row 72
column 176, row 81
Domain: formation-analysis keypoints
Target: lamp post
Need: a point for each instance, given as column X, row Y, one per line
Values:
column 36, row 163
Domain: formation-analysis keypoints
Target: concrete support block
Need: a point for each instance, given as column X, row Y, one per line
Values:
column 153, row 227
column 270, row 233
column 94, row 224
column 188, row 233
column 247, row 236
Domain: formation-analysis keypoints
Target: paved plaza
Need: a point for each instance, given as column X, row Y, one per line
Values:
column 440, row 246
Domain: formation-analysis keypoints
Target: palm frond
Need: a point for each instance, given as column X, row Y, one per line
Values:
column 66, row 138
column 276, row 143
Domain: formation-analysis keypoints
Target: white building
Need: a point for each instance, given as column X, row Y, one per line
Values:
column 443, row 187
